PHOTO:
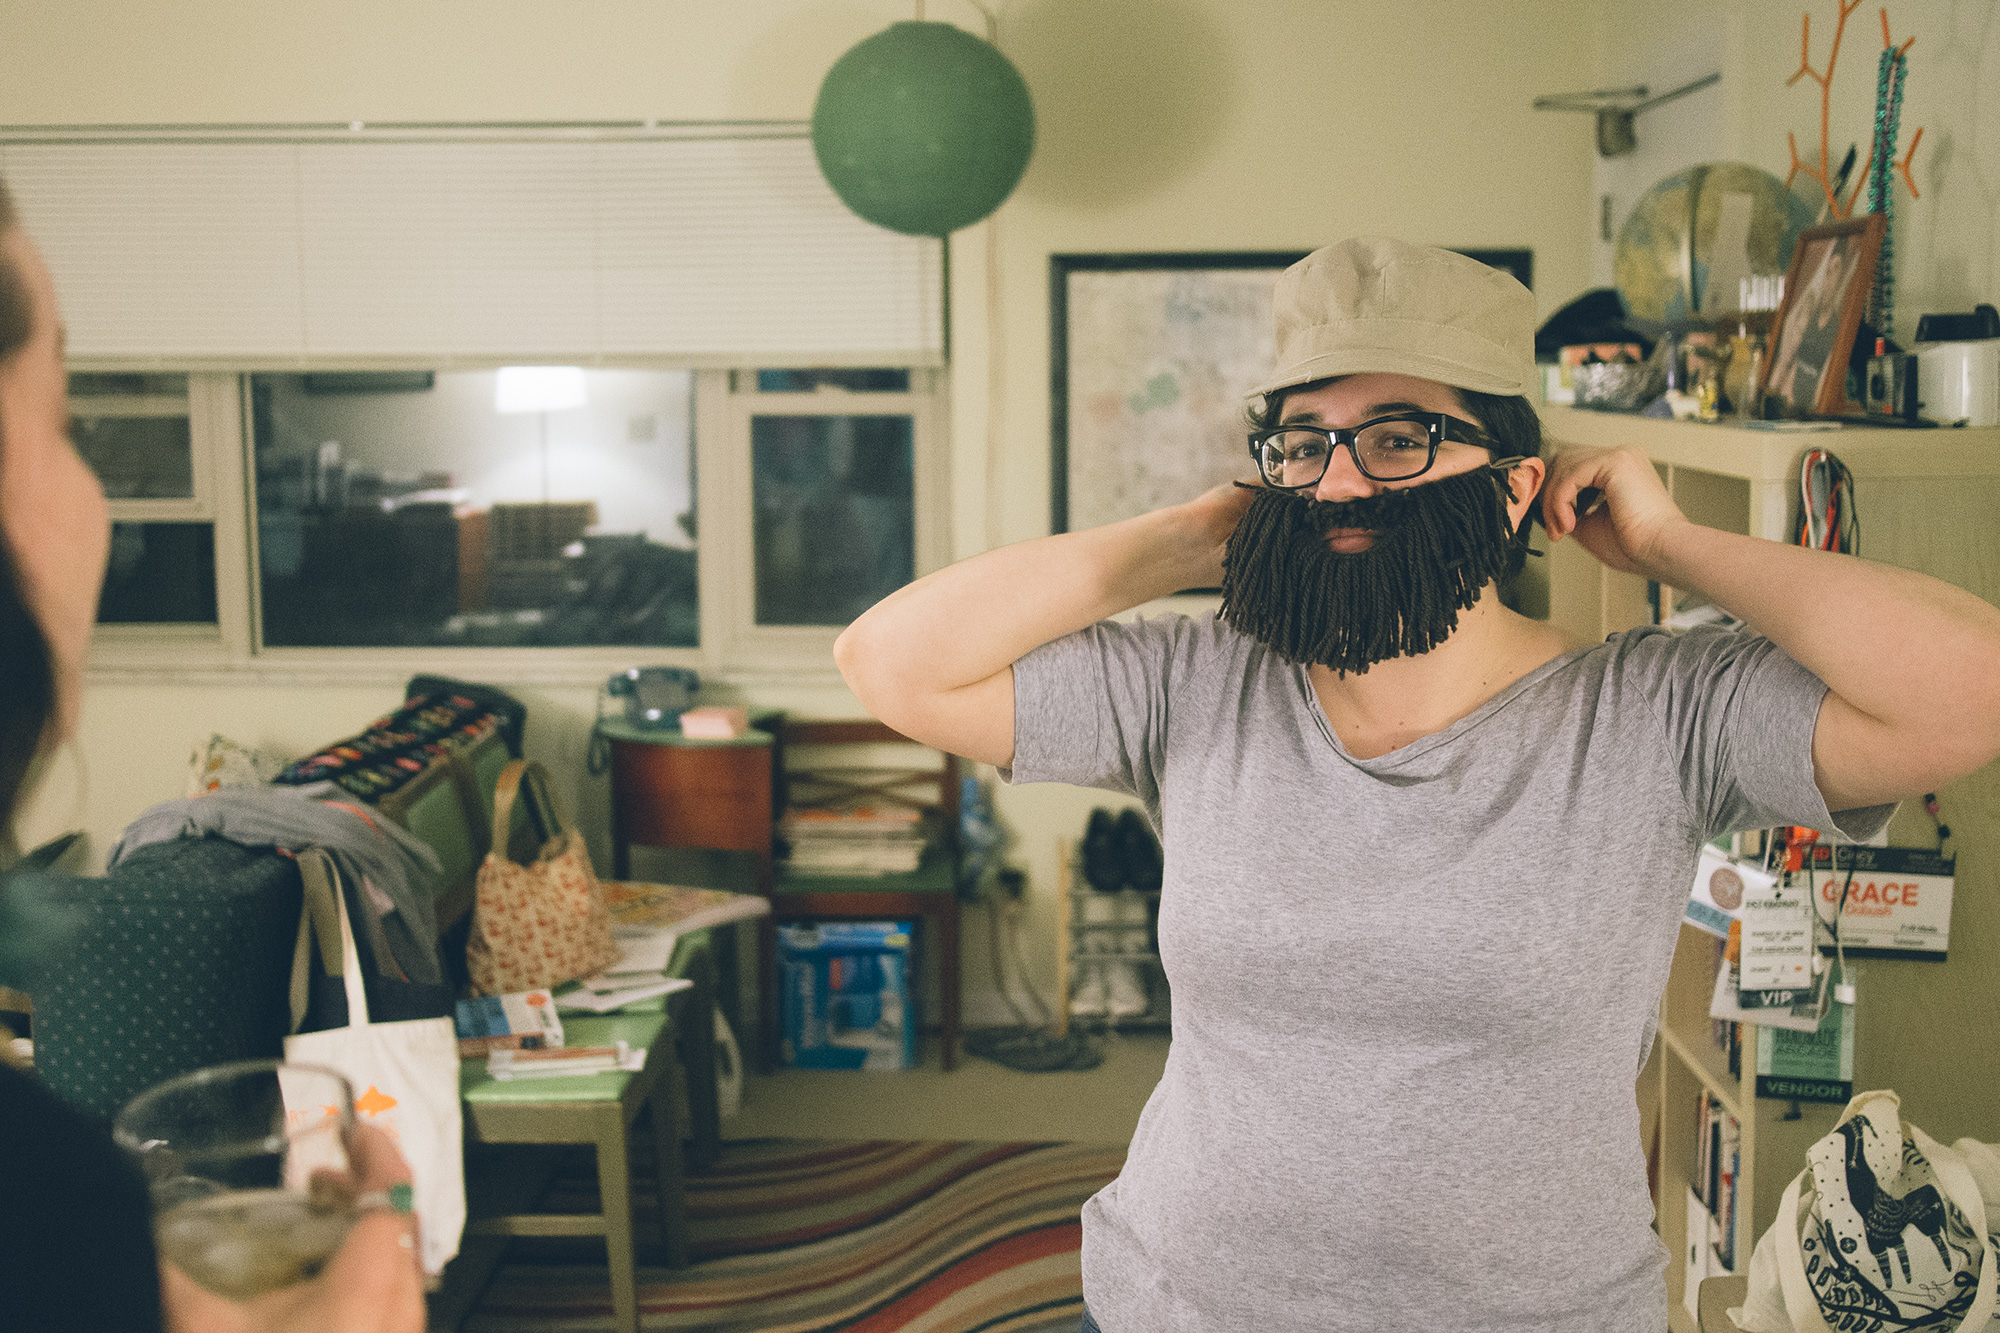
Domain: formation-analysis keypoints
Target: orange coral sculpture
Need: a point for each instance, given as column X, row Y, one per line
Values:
column 1821, row 173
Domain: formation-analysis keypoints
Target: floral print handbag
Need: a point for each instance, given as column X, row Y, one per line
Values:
column 542, row 924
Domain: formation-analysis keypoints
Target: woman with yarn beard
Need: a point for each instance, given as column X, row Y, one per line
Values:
column 76, row 1250
column 1425, row 858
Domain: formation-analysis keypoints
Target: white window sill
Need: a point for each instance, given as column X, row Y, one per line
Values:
column 203, row 660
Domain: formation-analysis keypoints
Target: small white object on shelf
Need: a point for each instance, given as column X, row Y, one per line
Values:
column 714, row 723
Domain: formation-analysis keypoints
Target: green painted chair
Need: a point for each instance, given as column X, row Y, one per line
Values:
column 450, row 807
column 595, row 1109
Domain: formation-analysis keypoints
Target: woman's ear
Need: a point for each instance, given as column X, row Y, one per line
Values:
column 1524, row 488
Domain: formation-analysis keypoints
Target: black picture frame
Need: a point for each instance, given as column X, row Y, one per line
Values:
column 1061, row 268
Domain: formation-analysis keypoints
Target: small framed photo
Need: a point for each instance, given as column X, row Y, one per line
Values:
column 1826, row 288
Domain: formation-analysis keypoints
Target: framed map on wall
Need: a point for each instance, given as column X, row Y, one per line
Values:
column 1151, row 356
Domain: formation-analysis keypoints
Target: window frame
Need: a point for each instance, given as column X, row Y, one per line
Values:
column 730, row 398
column 732, row 645
column 216, row 476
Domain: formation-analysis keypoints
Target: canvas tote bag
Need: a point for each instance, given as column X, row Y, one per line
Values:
column 1885, row 1230
column 405, row 1074
column 539, row 925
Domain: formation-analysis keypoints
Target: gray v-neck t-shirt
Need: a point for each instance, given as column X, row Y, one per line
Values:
column 1411, row 993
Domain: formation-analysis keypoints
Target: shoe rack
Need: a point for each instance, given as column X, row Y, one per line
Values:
column 1078, row 949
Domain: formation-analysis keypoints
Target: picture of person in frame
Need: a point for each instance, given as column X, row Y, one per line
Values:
column 1806, row 348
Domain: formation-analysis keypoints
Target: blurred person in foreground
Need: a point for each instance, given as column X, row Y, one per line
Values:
column 76, row 1247
column 1426, row 858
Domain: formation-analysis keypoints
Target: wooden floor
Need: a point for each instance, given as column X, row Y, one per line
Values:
column 978, row 1100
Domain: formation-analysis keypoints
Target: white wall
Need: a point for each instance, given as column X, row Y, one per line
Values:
column 1162, row 125
column 1947, row 241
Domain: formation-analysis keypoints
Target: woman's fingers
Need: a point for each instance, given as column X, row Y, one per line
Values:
column 375, row 1281
column 377, row 1161
column 1575, row 484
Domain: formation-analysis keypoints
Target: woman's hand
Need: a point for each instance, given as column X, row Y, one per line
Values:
column 1214, row 515
column 373, row 1283
column 1612, row 501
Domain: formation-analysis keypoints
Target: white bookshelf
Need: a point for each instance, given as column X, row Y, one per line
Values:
column 1928, row 500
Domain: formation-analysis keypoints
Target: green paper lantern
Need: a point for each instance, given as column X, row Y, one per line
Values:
column 923, row 128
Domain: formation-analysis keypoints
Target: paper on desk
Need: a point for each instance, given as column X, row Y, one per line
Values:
column 605, row 1001
column 676, row 906
column 642, row 949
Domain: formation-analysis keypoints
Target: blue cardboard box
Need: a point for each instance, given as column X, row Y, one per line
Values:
column 846, row 995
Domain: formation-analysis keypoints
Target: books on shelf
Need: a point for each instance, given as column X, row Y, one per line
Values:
column 1718, row 1162
column 858, row 840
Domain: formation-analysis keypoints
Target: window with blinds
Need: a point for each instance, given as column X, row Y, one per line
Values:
column 269, row 251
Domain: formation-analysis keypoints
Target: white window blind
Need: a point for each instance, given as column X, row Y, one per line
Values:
column 706, row 250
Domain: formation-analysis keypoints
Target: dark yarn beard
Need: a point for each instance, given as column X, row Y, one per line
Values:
column 1436, row 547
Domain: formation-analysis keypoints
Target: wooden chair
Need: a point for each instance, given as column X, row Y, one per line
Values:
column 916, row 777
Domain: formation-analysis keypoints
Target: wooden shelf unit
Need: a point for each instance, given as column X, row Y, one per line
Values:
column 1928, row 500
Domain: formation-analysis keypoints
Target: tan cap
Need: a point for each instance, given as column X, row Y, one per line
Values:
column 1382, row 306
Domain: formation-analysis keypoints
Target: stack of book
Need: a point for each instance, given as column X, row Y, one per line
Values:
column 860, row 840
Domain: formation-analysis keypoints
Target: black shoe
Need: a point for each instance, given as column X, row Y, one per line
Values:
column 1140, row 851
column 1103, row 852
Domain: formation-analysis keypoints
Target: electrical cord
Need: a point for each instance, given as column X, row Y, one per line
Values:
column 1828, row 519
column 1032, row 1047
column 1001, row 922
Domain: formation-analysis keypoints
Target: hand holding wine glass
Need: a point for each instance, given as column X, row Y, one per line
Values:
column 273, row 1208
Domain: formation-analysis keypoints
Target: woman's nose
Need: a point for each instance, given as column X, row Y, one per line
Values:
column 1344, row 480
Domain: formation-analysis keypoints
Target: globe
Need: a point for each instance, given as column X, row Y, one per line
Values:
column 923, row 128
column 1665, row 247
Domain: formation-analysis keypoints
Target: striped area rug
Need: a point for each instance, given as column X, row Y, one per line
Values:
column 795, row 1236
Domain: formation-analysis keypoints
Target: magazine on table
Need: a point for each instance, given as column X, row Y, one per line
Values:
column 677, row 907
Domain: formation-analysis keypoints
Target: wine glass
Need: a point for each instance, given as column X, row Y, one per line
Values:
column 248, row 1167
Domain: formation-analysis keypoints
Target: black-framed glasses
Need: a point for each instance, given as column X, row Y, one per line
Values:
column 1391, row 448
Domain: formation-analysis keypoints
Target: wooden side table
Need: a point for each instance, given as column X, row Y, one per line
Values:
column 671, row 790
